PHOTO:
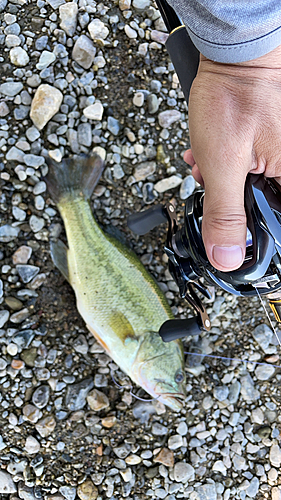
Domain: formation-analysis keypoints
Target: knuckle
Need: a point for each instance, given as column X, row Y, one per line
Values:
column 220, row 222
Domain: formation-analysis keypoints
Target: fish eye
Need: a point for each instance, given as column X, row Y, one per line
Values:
column 179, row 377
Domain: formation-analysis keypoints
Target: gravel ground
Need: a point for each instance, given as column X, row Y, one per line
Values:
column 66, row 430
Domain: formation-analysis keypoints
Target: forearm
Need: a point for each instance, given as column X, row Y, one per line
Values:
column 231, row 31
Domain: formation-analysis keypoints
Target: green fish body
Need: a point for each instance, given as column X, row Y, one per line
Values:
column 118, row 299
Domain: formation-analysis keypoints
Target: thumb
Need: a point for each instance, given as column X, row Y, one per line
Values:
column 224, row 225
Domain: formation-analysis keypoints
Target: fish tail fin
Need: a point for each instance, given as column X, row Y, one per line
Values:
column 72, row 175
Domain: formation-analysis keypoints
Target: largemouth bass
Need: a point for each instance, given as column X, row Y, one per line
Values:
column 118, row 299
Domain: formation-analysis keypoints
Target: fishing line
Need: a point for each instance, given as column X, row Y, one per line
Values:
column 230, row 359
column 131, row 388
column 271, row 324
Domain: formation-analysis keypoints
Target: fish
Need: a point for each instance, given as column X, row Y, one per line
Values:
column 120, row 302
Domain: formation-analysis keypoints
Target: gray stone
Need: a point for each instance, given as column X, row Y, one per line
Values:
column 33, row 161
column 21, row 112
column 141, row 4
column 27, row 272
column 36, row 223
column 18, row 213
column 15, row 154
column 143, row 170
column 98, row 30
column 168, row 183
column 143, row 411
column 221, row 392
column 159, row 429
column 234, row 391
column 19, row 57
column 138, row 99
column 84, row 52
column 4, row 109
column 40, row 397
column 7, row 484
column 152, row 103
column 45, row 105
column 4, row 316
column 41, row 42
column 24, row 338
column 113, row 125
column 45, row 60
column 276, row 493
column 187, row 187
column 94, row 111
column 32, row 446
column 32, row 134
column 11, row 89
column 76, row 394
column 3, row 4
column 253, row 488
column 84, row 134
column 275, row 455
column 8, row 233
column 183, row 472
column 118, row 171
column 167, row 118
column 68, row 15
column 264, row 372
column 55, row 3
column 69, row 492
column 206, row 491
column 248, row 391
column 263, row 334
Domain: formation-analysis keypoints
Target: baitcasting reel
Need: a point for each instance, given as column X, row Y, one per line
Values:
column 188, row 262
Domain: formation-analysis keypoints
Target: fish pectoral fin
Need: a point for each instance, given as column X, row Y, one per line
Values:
column 59, row 257
column 122, row 327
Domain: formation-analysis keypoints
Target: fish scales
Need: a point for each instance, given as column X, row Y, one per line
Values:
column 120, row 302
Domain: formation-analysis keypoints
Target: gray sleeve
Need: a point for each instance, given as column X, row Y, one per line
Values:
column 231, row 31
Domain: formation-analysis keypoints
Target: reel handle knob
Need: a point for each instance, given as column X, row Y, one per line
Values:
column 142, row 222
column 178, row 328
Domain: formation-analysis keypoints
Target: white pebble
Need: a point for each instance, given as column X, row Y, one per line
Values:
column 32, row 446
column 12, row 349
column 19, row 56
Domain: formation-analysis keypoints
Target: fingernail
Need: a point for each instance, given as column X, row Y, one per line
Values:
column 231, row 257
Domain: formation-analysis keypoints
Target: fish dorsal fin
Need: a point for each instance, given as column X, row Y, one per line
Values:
column 122, row 327
column 59, row 257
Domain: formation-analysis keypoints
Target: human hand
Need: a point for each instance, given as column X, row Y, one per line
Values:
column 235, row 128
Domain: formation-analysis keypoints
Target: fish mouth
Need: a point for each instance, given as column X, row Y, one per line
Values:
column 174, row 400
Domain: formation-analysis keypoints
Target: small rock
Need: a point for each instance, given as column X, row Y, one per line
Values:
column 84, row 52
column 221, row 392
column 234, row 391
column 40, row 397
column 183, row 472
column 138, row 99
column 22, row 255
column 98, row 30
column 124, row 4
column 46, row 426
column 68, row 15
column 166, row 184
column 19, row 57
column 69, row 492
column 75, row 398
column 175, row 442
column 187, row 187
column 31, row 413
column 32, row 134
column 219, row 467
column 159, row 36
column 152, row 103
column 32, row 446
column 122, row 451
column 275, row 455
column 143, row 170
column 248, row 391
column 27, row 272
column 45, row 105
column 4, row 110
column 8, row 233
column 159, row 429
column 94, row 111
column 142, row 411
column 167, row 118
column 130, row 32
column 263, row 334
column 36, row 223
column 264, row 372
column 7, row 484
column 97, row 400
column 4, row 316
column 141, row 4
column 253, row 488
column 87, row 490
column 11, row 89
column 45, row 60
column 207, row 491
column 276, row 493
column 165, row 457
column 113, row 125
column 133, row 460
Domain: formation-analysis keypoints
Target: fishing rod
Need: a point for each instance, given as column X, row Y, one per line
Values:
column 260, row 273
